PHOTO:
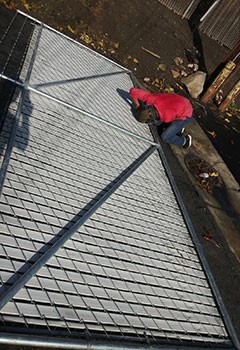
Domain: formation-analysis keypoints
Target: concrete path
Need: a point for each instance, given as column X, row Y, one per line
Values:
column 224, row 207
column 220, row 214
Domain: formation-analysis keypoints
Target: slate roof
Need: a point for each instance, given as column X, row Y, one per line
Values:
column 94, row 245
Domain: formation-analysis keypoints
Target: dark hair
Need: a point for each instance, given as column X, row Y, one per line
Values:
column 146, row 114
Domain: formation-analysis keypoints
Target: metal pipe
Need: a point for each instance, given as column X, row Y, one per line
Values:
column 69, row 344
column 16, row 82
column 231, row 95
column 93, row 116
column 74, row 344
column 217, row 83
column 41, row 257
column 66, row 104
column 185, row 13
column 209, row 10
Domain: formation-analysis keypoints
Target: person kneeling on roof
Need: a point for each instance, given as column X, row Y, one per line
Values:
column 170, row 108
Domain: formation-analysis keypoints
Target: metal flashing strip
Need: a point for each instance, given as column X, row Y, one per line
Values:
column 58, row 241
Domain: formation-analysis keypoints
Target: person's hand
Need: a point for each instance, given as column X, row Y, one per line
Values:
column 138, row 108
column 136, row 103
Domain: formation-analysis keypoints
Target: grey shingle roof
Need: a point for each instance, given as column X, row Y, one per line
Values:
column 130, row 271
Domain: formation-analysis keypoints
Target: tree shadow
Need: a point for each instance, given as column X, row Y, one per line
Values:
column 220, row 194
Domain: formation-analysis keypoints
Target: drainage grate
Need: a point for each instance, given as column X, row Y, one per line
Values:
column 207, row 176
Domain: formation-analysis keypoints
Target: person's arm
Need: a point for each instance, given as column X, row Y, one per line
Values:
column 138, row 94
column 136, row 102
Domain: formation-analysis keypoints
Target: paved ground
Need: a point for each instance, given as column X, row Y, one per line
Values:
column 121, row 33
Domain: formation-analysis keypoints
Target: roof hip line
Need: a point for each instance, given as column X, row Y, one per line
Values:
column 78, row 109
column 30, row 268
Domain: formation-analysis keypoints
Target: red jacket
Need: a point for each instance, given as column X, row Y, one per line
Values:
column 169, row 106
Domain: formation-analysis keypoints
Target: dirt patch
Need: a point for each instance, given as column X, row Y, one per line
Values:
column 121, row 30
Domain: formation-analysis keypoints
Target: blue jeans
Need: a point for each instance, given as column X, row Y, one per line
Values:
column 170, row 134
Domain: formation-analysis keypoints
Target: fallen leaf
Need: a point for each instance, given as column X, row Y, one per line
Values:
column 178, row 61
column 135, row 60
column 213, row 174
column 155, row 82
column 227, row 120
column 70, row 28
column 101, row 43
column 26, row 5
column 175, row 73
column 162, row 67
column 169, row 89
column 9, row 4
column 183, row 73
column 86, row 38
column 212, row 133
column 116, row 45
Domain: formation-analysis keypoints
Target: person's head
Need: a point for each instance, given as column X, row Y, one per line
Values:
column 142, row 116
column 146, row 115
